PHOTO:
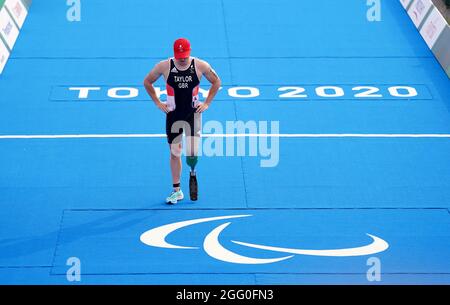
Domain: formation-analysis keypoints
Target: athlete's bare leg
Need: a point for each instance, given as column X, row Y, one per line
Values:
column 175, row 163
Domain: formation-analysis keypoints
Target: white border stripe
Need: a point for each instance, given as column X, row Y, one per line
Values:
column 239, row 135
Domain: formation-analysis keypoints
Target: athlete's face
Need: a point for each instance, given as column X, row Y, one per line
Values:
column 183, row 61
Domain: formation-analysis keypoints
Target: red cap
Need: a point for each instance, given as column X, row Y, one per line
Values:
column 181, row 48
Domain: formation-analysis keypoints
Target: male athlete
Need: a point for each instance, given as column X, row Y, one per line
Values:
column 183, row 109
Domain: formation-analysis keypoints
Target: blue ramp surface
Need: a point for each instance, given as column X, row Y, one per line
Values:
column 361, row 173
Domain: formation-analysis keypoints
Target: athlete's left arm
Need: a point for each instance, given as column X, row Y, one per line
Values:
column 215, row 81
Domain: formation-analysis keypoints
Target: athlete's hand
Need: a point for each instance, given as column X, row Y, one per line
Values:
column 163, row 107
column 202, row 107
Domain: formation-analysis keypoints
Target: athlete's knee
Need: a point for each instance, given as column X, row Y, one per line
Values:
column 174, row 157
column 175, row 151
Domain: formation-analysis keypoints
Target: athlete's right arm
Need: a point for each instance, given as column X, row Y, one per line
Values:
column 152, row 77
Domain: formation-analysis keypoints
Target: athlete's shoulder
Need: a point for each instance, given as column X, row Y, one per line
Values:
column 164, row 62
column 202, row 65
column 162, row 65
column 200, row 61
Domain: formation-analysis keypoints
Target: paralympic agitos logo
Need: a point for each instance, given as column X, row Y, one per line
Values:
column 156, row 237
